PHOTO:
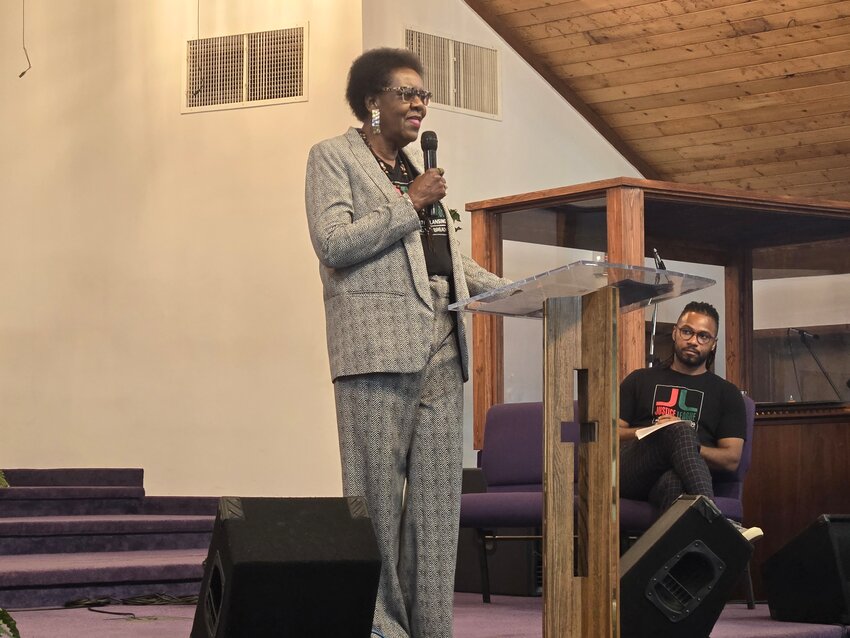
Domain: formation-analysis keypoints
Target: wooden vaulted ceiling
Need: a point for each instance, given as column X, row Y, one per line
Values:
column 751, row 94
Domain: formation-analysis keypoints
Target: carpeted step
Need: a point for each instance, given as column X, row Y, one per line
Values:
column 120, row 476
column 70, row 500
column 42, row 580
column 194, row 505
column 102, row 533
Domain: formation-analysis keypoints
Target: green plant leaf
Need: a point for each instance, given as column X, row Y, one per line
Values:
column 7, row 625
column 3, row 481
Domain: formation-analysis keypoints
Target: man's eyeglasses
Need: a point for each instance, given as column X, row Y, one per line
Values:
column 702, row 337
column 407, row 93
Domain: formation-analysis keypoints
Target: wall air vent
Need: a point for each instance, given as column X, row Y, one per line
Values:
column 251, row 69
column 463, row 77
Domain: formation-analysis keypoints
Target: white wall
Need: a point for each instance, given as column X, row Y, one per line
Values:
column 161, row 302
column 801, row 301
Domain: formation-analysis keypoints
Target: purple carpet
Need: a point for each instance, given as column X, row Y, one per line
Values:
column 67, row 534
column 506, row 617
column 72, row 533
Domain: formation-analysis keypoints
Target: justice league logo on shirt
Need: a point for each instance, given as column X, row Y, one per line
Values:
column 682, row 403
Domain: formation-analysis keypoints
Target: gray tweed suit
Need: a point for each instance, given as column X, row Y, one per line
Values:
column 398, row 359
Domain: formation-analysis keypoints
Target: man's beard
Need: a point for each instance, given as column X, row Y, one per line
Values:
column 690, row 358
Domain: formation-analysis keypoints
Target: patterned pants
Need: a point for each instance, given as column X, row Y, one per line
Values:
column 400, row 438
column 663, row 466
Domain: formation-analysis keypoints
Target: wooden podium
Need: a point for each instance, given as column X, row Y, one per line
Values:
column 579, row 305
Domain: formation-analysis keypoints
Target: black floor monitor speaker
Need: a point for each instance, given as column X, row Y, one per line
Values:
column 808, row 580
column 300, row 567
column 676, row 578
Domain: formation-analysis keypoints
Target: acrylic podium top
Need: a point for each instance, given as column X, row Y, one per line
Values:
column 639, row 287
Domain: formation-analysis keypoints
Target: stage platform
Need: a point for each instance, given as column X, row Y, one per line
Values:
column 506, row 617
column 67, row 534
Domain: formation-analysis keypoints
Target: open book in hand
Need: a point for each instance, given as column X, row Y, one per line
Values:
column 642, row 432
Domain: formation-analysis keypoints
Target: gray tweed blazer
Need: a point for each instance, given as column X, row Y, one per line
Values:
column 378, row 308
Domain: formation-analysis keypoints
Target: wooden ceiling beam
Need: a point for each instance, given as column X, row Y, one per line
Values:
column 836, row 91
column 707, row 123
column 685, row 123
column 808, row 178
column 835, row 134
column 696, row 14
column 682, row 165
column 718, row 53
column 776, row 61
column 745, row 132
column 753, row 89
column 595, row 15
column 838, row 192
column 502, row 8
column 584, row 47
column 726, row 173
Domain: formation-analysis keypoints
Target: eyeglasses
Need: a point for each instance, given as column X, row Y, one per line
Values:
column 702, row 337
column 407, row 93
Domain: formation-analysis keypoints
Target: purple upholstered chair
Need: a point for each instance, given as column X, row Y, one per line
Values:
column 511, row 462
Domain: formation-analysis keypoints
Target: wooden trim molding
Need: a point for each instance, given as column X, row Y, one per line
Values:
column 488, row 359
column 626, row 246
column 782, row 413
column 669, row 190
column 738, row 282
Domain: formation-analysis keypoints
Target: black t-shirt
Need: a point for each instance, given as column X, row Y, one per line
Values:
column 435, row 243
column 714, row 404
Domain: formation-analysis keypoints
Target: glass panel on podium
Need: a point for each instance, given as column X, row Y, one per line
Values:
column 579, row 304
column 638, row 287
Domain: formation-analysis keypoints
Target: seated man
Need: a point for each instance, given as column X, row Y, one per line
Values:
column 706, row 414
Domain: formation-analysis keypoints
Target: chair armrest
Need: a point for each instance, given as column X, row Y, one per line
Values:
column 473, row 481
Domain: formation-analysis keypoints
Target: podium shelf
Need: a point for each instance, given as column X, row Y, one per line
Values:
column 639, row 287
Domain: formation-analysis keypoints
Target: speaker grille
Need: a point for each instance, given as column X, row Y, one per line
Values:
column 679, row 586
column 214, row 598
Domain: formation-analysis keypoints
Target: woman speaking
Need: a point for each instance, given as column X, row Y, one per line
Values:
column 390, row 265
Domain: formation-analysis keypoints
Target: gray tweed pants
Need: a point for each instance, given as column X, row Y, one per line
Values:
column 400, row 438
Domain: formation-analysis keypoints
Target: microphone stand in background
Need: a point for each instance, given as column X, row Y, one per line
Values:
column 804, row 339
column 650, row 359
column 794, row 365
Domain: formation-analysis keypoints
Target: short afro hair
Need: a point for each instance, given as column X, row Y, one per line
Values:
column 371, row 72
column 702, row 308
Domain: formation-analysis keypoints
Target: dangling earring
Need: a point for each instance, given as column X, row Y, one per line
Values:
column 376, row 121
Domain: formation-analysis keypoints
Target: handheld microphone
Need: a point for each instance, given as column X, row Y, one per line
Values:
column 804, row 333
column 429, row 151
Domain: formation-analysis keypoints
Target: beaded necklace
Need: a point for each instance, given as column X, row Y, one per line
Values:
column 400, row 164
